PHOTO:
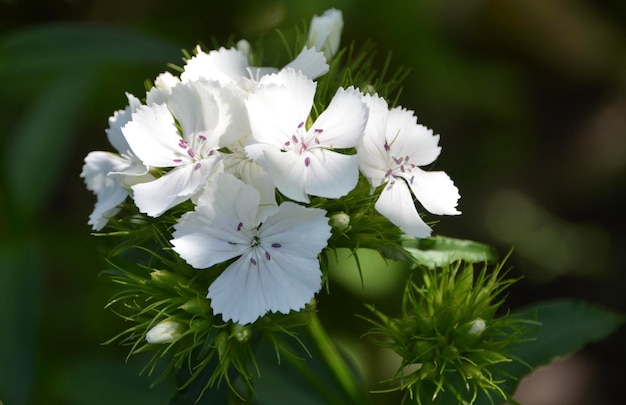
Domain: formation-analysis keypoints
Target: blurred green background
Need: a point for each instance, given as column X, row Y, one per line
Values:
column 529, row 98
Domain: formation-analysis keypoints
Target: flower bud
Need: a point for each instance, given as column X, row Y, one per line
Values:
column 164, row 332
column 168, row 279
column 241, row 333
column 197, row 306
column 325, row 32
column 340, row 221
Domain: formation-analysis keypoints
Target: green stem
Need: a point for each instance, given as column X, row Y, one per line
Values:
column 335, row 362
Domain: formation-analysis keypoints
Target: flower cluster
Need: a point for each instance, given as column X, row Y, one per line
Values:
column 254, row 160
column 230, row 186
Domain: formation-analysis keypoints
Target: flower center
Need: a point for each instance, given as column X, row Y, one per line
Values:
column 397, row 166
column 191, row 156
column 260, row 250
column 302, row 140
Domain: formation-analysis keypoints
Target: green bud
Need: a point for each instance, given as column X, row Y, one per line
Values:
column 427, row 371
column 241, row 333
column 164, row 332
column 340, row 221
column 197, row 306
column 168, row 279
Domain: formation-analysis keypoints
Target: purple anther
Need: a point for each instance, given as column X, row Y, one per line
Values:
column 287, row 143
column 276, row 245
column 307, row 161
column 197, row 166
column 178, row 161
column 267, row 255
column 396, row 160
column 294, row 139
column 253, row 261
column 183, row 144
column 191, row 153
column 239, row 226
column 412, row 178
column 318, row 131
column 202, row 137
column 211, row 152
column 388, row 173
column 406, row 158
column 387, row 148
column 402, row 168
column 300, row 125
column 317, row 141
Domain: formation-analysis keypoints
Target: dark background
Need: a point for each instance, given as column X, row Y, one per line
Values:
column 529, row 98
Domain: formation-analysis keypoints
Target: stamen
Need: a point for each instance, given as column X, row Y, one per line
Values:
column 267, row 255
column 287, row 143
column 294, row 139
column 402, row 168
column 276, row 245
column 396, row 160
column 307, row 161
column 232, row 243
column 183, row 144
column 387, row 148
column 388, row 173
column 239, row 226
column 317, row 141
column 211, row 152
column 300, row 125
column 253, row 261
column 178, row 161
column 202, row 137
column 318, row 131
column 197, row 166
column 191, row 153
column 412, row 178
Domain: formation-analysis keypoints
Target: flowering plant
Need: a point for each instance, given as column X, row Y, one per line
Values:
column 231, row 189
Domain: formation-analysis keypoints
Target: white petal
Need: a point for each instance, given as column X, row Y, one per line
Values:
column 118, row 120
column 396, row 203
column 300, row 231
column 373, row 158
column 286, row 169
column 163, row 85
column 408, row 138
column 195, row 107
column 155, row 197
column 154, row 138
column 329, row 174
column 281, row 103
column 223, row 65
column 343, row 122
column 435, row 191
column 107, row 188
column 309, row 62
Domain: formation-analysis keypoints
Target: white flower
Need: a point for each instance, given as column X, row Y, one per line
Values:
column 210, row 116
column 230, row 66
column 325, row 32
column 391, row 153
column 303, row 160
column 109, row 175
column 164, row 332
column 276, row 270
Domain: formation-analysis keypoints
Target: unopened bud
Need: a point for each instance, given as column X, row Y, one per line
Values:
column 164, row 332
column 340, row 221
column 325, row 32
column 197, row 306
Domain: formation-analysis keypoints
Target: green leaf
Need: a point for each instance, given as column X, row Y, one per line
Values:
column 438, row 251
column 566, row 327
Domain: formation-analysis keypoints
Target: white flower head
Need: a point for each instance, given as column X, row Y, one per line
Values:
column 392, row 150
column 325, row 32
column 164, row 332
column 302, row 160
column 231, row 66
column 210, row 116
column 110, row 175
column 276, row 267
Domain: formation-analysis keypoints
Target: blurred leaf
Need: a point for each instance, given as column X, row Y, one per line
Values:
column 566, row 327
column 20, row 302
column 67, row 47
column 98, row 381
column 42, row 140
column 437, row 251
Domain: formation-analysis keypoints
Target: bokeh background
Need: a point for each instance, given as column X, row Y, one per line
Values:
column 529, row 98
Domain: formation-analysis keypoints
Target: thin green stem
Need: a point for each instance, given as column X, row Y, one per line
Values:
column 335, row 363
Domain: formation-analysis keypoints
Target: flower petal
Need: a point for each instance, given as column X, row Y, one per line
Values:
column 223, row 65
column 343, row 122
column 155, row 197
column 406, row 137
column 435, row 191
column 280, row 104
column 118, row 120
column 396, row 203
column 309, row 62
column 154, row 138
column 330, row 174
column 286, row 169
